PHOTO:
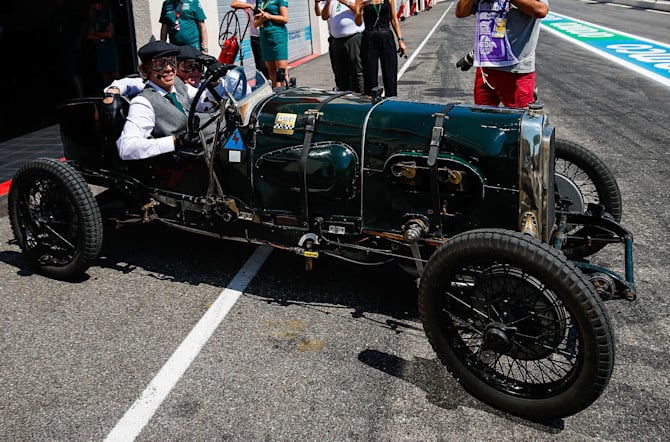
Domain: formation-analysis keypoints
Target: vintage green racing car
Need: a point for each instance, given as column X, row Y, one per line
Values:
column 493, row 215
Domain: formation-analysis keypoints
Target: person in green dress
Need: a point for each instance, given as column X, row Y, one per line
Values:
column 183, row 21
column 271, row 19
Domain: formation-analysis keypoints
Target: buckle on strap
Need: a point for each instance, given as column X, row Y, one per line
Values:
column 435, row 138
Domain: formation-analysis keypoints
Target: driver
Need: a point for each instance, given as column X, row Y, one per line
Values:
column 157, row 116
column 189, row 69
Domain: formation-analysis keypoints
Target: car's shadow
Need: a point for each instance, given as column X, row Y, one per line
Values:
column 159, row 251
column 172, row 255
column 441, row 388
column 362, row 292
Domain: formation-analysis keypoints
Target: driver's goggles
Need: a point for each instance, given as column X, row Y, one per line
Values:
column 189, row 66
column 159, row 64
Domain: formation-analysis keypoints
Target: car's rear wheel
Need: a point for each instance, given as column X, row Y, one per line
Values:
column 55, row 218
column 582, row 178
column 517, row 324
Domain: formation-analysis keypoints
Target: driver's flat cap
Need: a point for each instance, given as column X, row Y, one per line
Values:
column 155, row 49
column 188, row 53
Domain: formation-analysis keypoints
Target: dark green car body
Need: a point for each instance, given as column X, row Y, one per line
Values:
column 367, row 165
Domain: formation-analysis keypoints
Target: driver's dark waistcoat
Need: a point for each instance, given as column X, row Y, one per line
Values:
column 168, row 119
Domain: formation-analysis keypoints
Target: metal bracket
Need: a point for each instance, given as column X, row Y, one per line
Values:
column 435, row 138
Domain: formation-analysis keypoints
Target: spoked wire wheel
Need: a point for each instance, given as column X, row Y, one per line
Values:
column 517, row 324
column 55, row 218
column 582, row 178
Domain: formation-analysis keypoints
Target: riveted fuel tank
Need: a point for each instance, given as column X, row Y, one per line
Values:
column 367, row 160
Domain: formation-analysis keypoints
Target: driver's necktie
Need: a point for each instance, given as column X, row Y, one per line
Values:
column 173, row 99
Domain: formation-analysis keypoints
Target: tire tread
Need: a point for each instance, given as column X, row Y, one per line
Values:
column 85, row 204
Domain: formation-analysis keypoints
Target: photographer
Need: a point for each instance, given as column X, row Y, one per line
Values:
column 506, row 35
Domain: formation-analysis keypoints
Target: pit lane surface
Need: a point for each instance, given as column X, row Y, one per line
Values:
column 338, row 353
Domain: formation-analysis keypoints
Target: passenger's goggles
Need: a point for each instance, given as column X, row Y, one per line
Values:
column 159, row 64
column 189, row 66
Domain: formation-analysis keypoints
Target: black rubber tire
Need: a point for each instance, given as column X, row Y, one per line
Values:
column 566, row 329
column 596, row 183
column 55, row 218
column 572, row 160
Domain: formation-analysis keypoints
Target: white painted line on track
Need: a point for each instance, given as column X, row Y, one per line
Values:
column 139, row 414
column 408, row 63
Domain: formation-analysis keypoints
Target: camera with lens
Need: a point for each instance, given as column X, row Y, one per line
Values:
column 466, row 61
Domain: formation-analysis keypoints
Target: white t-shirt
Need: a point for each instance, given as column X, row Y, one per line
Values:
column 342, row 20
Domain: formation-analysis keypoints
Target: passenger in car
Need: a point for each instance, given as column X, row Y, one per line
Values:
column 157, row 116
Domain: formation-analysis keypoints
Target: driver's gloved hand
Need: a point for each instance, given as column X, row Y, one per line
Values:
column 206, row 60
column 217, row 70
column 187, row 144
column 213, row 66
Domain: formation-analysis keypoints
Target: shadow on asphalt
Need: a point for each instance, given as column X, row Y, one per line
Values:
column 176, row 256
column 441, row 388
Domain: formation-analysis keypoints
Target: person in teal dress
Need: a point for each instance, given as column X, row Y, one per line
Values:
column 271, row 21
column 183, row 21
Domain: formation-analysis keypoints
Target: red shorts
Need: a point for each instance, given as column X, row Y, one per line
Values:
column 508, row 88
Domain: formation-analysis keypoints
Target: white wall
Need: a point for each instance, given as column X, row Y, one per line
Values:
column 319, row 31
column 146, row 14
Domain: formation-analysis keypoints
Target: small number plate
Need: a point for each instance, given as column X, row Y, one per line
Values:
column 338, row 230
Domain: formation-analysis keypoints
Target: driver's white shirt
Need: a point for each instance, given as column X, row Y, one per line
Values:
column 135, row 142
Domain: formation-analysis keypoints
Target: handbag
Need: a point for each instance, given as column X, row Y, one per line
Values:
column 230, row 38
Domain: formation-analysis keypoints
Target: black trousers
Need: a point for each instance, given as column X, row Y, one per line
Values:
column 378, row 48
column 258, row 58
column 347, row 64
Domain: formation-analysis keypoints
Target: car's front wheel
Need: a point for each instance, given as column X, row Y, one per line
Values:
column 517, row 324
column 55, row 218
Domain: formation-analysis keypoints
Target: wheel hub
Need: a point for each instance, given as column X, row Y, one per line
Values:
column 498, row 337
column 528, row 324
